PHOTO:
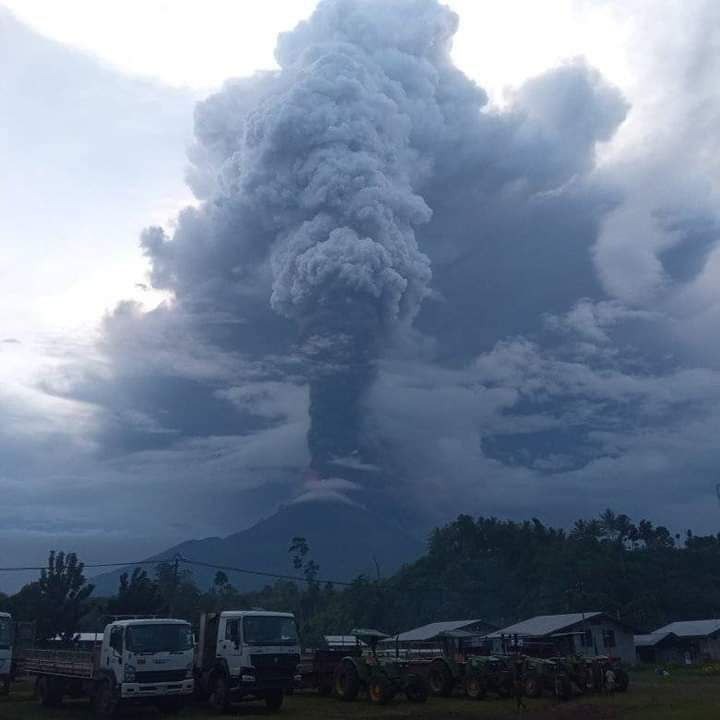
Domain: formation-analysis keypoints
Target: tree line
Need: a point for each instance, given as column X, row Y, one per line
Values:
column 498, row 570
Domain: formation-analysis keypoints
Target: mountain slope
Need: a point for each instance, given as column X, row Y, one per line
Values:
column 344, row 540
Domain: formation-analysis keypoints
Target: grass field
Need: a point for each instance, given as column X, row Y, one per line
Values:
column 680, row 697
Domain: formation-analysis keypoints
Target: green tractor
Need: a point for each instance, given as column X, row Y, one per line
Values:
column 487, row 673
column 597, row 667
column 381, row 678
column 541, row 676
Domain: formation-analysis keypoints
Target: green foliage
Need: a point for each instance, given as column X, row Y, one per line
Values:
column 57, row 601
column 137, row 594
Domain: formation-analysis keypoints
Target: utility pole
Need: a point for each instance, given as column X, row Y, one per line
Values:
column 173, row 592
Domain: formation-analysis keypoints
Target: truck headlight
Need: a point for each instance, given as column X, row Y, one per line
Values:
column 129, row 675
column 189, row 671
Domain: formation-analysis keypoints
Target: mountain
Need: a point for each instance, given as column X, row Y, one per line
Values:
column 344, row 540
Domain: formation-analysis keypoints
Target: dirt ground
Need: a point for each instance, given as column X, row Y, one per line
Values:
column 681, row 697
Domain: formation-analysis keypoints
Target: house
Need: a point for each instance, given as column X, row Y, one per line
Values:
column 432, row 637
column 687, row 641
column 587, row 634
column 660, row 648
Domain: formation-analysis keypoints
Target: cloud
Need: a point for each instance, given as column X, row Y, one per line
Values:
column 495, row 310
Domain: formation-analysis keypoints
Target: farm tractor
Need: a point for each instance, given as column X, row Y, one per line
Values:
column 540, row 676
column 381, row 678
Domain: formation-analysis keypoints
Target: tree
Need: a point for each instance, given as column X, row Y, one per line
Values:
column 137, row 594
column 60, row 597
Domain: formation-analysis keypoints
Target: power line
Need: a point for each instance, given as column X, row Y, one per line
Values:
column 187, row 561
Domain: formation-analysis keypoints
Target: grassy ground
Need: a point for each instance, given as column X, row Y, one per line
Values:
column 680, row 697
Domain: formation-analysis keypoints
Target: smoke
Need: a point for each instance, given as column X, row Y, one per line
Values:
column 327, row 187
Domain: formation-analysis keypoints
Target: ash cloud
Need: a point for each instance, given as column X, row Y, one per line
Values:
column 456, row 306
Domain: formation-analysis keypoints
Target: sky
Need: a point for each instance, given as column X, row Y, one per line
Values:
column 563, row 357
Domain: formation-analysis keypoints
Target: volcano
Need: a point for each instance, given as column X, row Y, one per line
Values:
column 345, row 540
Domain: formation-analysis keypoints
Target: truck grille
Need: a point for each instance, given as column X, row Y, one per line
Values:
column 275, row 665
column 159, row 676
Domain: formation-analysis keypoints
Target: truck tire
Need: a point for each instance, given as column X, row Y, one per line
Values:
column 475, row 687
column 220, row 694
column 48, row 691
column 274, row 700
column 105, row 702
column 416, row 689
column 347, row 681
column 440, row 678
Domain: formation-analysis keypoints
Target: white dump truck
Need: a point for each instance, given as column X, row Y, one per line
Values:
column 138, row 661
column 6, row 648
column 246, row 654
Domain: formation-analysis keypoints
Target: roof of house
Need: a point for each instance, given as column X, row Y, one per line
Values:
column 433, row 630
column 652, row 639
column 339, row 641
column 691, row 628
column 542, row 625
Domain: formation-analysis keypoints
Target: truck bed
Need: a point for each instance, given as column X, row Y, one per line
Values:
column 62, row 663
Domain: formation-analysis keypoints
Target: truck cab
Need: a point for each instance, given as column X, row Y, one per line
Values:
column 148, row 658
column 6, row 647
column 247, row 654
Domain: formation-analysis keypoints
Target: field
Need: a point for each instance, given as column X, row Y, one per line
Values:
column 679, row 697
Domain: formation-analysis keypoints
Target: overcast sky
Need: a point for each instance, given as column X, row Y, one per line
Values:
column 564, row 359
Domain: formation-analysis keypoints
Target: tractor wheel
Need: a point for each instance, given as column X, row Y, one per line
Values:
column 220, row 695
column 347, row 681
column 274, row 700
column 563, row 689
column 416, row 689
column 380, row 691
column 532, row 687
column 440, row 678
column 622, row 680
column 475, row 687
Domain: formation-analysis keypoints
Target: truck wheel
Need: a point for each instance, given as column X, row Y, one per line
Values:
column 416, row 689
column 105, row 702
column 274, row 700
column 440, row 678
column 380, row 691
column 475, row 687
column 220, row 695
column 347, row 681
column 48, row 691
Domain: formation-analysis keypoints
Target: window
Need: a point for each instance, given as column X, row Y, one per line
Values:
column 5, row 633
column 116, row 639
column 609, row 638
column 159, row 637
column 231, row 630
column 270, row 630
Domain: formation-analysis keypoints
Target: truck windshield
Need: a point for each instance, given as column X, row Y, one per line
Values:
column 269, row 630
column 162, row 637
column 4, row 633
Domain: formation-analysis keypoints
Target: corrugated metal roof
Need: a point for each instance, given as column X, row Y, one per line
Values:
column 542, row 625
column 340, row 641
column 651, row 639
column 691, row 628
column 431, row 631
